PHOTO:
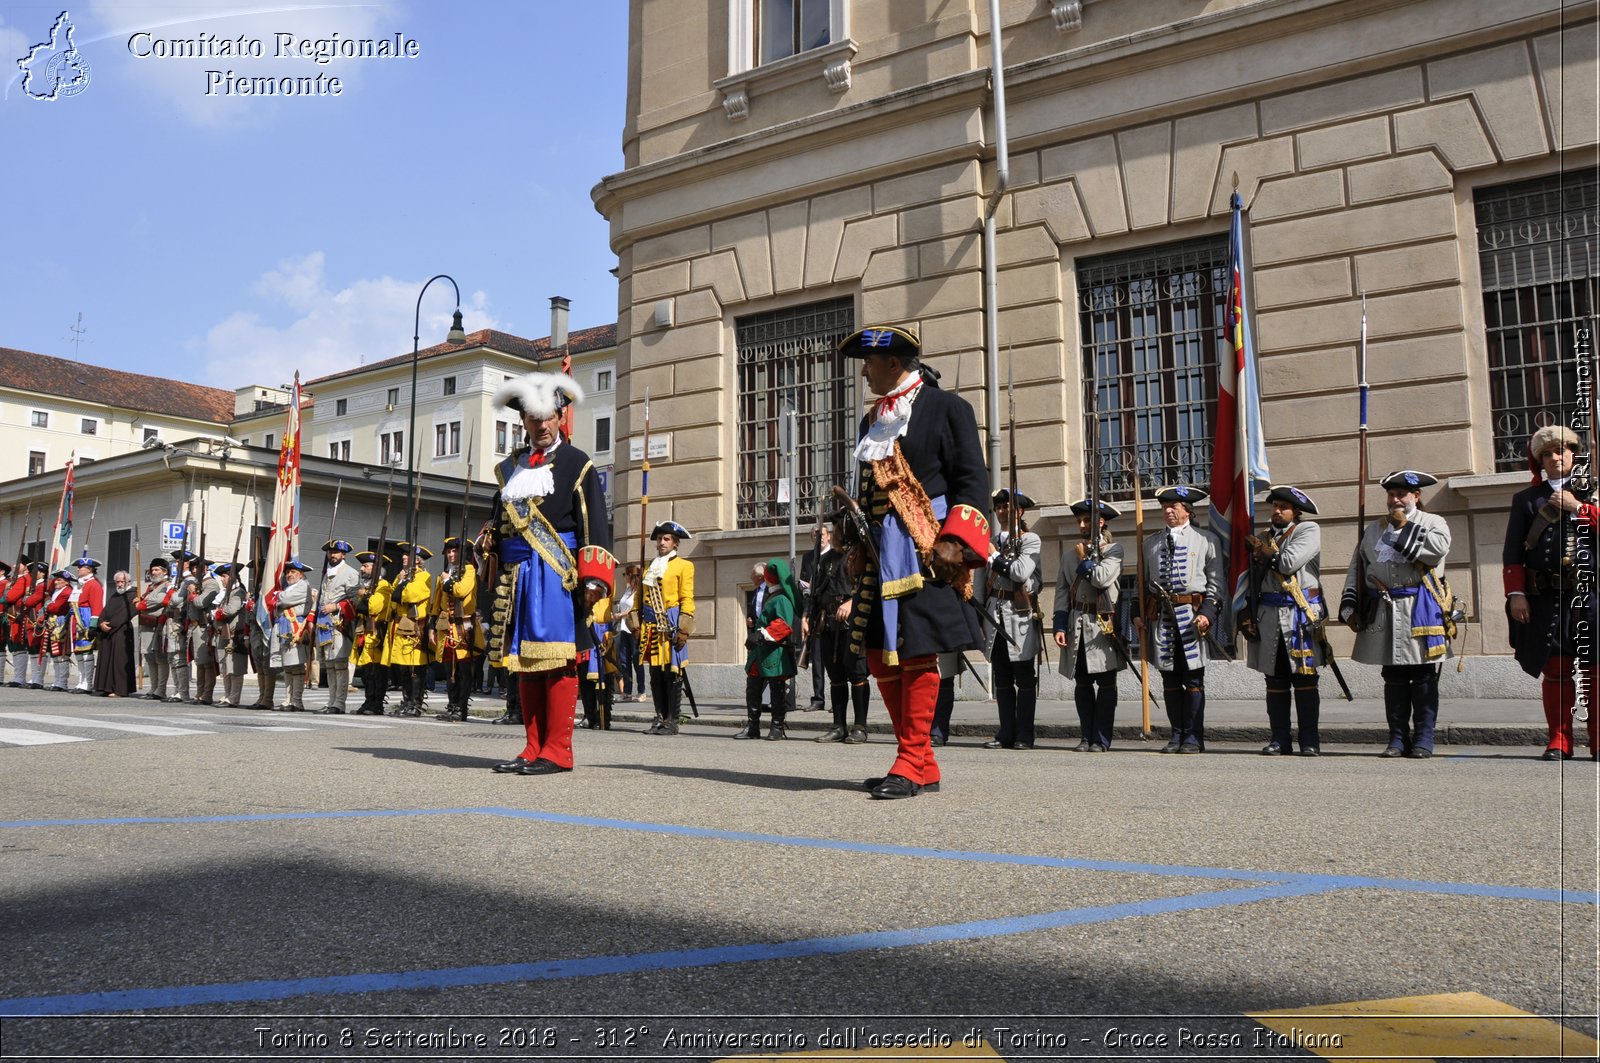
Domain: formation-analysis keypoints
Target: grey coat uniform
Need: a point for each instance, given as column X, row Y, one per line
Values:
column 1299, row 558
column 225, row 631
column 1009, row 575
column 338, row 586
column 1083, row 604
column 199, row 613
column 288, row 651
column 1392, row 557
column 1195, row 567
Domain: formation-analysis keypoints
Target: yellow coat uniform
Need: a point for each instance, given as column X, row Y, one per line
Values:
column 673, row 603
column 369, row 643
column 408, row 618
column 457, row 638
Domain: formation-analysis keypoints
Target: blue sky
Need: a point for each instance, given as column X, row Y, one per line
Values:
column 230, row 240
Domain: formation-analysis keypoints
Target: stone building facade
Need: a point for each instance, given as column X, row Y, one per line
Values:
column 1438, row 156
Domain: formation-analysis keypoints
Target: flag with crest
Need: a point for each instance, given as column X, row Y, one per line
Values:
column 283, row 543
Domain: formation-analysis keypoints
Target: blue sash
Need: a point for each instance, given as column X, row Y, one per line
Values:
column 83, row 638
column 1427, row 619
column 899, row 572
column 539, row 624
column 647, row 617
column 1302, row 654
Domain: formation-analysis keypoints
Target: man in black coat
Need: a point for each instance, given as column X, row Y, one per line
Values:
column 925, row 490
column 1550, row 585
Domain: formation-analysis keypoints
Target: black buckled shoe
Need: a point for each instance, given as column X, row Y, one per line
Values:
column 894, row 787
column 833, row 734
column 995, row 743
column 878, row 780
column 1418, row 753
column 777, row 732
column 1191, row 746
column 512, row 767
column 858, row 736
column 1311, row 751
column 1096, row 747
column 1394, row 751
column 541, row 767
column 1173, row 745
column 1273, row 748
column 1552, row 754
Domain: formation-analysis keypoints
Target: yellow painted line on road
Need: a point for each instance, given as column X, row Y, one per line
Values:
column 959, row 1050
column 1446, row 1025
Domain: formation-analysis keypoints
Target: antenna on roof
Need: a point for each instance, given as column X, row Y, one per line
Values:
column 77, row 338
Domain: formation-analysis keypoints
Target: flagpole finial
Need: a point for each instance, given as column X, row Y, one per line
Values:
column 1236, row 180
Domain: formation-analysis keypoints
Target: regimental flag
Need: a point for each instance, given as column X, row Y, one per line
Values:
column 1239, row 452
column 283, row 545
column 566, row 411
column 61, row 535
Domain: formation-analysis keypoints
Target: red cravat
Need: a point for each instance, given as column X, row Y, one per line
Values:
column 535, row 459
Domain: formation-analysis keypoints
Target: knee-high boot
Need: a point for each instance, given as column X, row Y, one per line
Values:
column 1308, row 712
column 1278, row 699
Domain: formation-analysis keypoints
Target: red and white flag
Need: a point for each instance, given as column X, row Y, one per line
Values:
column 61, row 535
column 283, row 545
column 1239, row 451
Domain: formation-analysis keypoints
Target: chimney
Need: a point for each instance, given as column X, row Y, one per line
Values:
column 558, row 321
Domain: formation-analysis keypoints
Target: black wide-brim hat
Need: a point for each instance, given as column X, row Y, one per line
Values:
column 1107, row 510
column 336, row 544
column 1004, row 495
column 1290, row 495
column 672, row 527
column 1185, row 493
column 408, row 548
column 1408, row 480
column 881, row 339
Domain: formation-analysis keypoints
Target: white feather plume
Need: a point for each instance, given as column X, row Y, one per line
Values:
column 540, row 394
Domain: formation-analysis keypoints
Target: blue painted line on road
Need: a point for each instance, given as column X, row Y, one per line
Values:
column 596, row 966
column 1330, row 882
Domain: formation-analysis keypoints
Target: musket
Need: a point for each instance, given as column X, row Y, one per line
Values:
column 89, row 532
column 314, row 612
column 644, row 489
column 138, row 575
column 234, row 581
column 1144, row 599
column 457, row 627
column 22, row 535
column 369, row 626
column 1361, row 618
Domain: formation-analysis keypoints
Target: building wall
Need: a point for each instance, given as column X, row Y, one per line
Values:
column 1357, row 132
column 117, row 430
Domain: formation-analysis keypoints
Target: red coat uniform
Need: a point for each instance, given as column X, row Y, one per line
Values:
column 60, row 621
column 13, row 617
column 32, row 607
column 91, row 596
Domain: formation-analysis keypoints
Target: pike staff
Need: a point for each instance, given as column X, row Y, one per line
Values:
column 1144, row 602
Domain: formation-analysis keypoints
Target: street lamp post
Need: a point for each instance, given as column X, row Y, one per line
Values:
column 455, row 335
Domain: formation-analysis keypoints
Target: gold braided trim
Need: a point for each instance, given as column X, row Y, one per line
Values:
column 545, row 540
column 541, row 657
column 893, row 476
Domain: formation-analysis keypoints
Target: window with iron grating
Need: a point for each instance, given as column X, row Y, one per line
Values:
column 791, row 358
column 1152, row 328
column 1539, row 257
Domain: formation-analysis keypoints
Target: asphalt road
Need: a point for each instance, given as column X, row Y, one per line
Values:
column 282, row 886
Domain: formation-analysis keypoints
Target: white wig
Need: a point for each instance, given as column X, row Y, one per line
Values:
column 541, row 394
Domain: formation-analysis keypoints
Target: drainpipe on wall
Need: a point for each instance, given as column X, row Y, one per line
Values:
column 991, row 322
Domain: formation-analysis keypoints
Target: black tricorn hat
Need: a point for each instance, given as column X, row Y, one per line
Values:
column 881, row 339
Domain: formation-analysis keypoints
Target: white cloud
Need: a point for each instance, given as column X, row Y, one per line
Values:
column 326, row 330
column 181, row 82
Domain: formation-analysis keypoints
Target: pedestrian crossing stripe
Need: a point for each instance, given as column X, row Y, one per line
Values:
column 27, row 736
column 1444, row 1025
column 160, row 730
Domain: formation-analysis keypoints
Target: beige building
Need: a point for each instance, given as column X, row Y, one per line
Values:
column 152, row 451
column 796, row 170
